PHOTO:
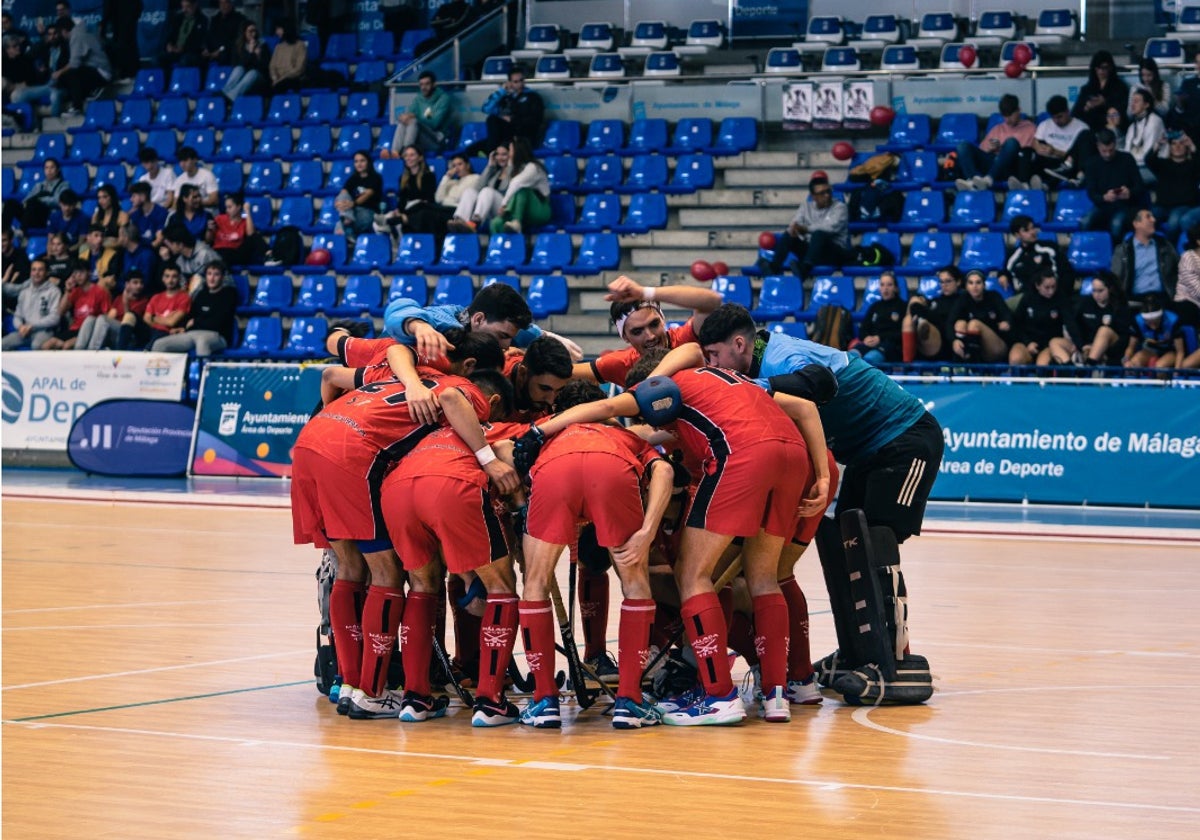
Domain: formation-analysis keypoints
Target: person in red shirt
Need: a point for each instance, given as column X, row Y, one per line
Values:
column 755, row 461
column 104, row 329
column 82, row 300
column 235, row 240
column 338, row 464
column 167, row 310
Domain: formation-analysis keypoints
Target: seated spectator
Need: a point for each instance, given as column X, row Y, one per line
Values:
column 1100, row 330
column 819, row 233
column 1103, row 91
column 1145, row 263
column 189, row 254
column 235, row 240
column 426, row 119
column 224, row 30
column 161, row 179
column 527, row 200
column 481, row 202
column 16, row 268
column 109, row 215
column 879, row 333
column 166, row 311
column 36, row 316
column 194, row 173
column 512, row 111
column 187, row 33
column 149, row 218
column 58, row 258
column 99, row 255
column 208, row 329
column 360, row 198
column 995, row 158
column 251, row 60
column 1114, row 185
column 191, row 214
column 1185, row 115
column 1040, row 317
column 1144, row 131
column 1150, row 79
column 1029, row 257
column 1177, row 192
column 982, row 326
column 81, row 298
column 18, row 70
column 45, row 197
column 1061, row 146
column 136, row 255
column 1157, row 336
column 415, row 211
column 88, row 70
column 124, row 316
column 289, row 61
column 68, row 219
column 926, row 326
column 458, row 179
column 1187, row 290
column 49, row 56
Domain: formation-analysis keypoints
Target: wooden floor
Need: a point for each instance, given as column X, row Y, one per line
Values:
column 156, row 684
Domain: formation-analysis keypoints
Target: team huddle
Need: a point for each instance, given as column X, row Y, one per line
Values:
column 444, row 460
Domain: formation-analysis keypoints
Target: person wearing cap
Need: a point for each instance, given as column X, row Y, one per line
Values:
column 1158, row 336
column 1114, row 185
column 819, row 233
column 1145, row 262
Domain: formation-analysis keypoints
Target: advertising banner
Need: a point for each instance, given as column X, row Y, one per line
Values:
column 1107, row 444
column 249, row 417
column 45, row 392
column 769, row 18
column 133, row 438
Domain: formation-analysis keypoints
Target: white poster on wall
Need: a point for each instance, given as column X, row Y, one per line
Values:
column 43, row 392
column 827, row 105
column 797, row 106
column 860, row 99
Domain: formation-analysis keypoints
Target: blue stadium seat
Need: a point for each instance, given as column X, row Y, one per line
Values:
column 262, row 337
column 1030, row 203
column 304, row 178
column 185, row 81
column 202, row 139
column 563, row 172
column 840, row 60
column 604, row 137
column 265, row 178
column 550, row 252
column 315, row 141
column 785, row 60
column 881, row 28
column 899, row 58
column 341, row 46
column 734, row 288
column 216, row 78
column 646, row 173
column 335, row 244
column 98, row 115
column 272, row 293
column 49, row 145
column 111, row 173
column 236, row 144
column 606, row 65
column 561, row 138
column 274, row 143
column 317, row 294
column 376, row 44
column 828, row 291
column 172, row 112
column 548, row 295
column 504, row 251
column 163, row 141
column 371, row 251
column 415, row 252
column 601, row 173
column 692, row 134
column 953, row 129
column 297, row 211
column 597, row 252
column 510, row 280
column 210, row 111
column 352, row 137
column 1165, row 51
column 928, row 252
column 31, row 176
column 361, row 107
column 1089, row 251
column 601, row 211
column 409, row 41
column 922, row 210
column 285, row 109
column 646, row 212
column 780, row 296
column 562, row 212
column 1069, row 210
column 77, row 177
column 495, row 68
column 984, row 251
column 411, row 286
column 340, row 170
column 646, row 136
column 472, row 132
column 228, row 174
column 323, row 109
column 692, row 172
column 972, row 210
column 918, row 170
column 247, row 109
column 735, row 135
column 136, row 114
column 460, row 252
column 552, row 67
column 454, row 290
column 306, row 339
column 85, row 148
column 888, row 241
column 664, row 63
column 371, row 71
column 908, row 131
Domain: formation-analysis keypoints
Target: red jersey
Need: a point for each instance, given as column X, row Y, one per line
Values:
column 444, row 453
column 137, row 306
column 615, row 365
column 599, row 437
column 230, row 232
column 92, row 300
column 369, row 429
column 363, row 352
column 164, row 304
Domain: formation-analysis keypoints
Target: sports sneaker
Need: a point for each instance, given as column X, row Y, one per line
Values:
column 542, row 714
column 605, row 667
column 680, row 700
column 628, row 714
column 494, row 712
column 1036, row 183
column 965, row 184
column 710, row 710
column 774, row 707
column 982, row 182
column 751, row 690
column 1059, row 173
column 365, row 707
column 1015, row 183
column 415, row 708
column 345, row 696
column 334, row 690
column 512, row 227
column 804, row 692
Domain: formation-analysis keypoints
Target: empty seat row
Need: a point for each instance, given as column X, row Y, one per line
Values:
column 1053, row 26
column 971, row 211
column 568, row 137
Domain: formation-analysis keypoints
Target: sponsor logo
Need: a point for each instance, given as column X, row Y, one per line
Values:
column 13, row 398
column 227, row 425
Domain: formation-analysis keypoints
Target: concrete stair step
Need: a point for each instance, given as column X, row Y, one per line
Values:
column 698, row 239
column 723, row 218
column 772, row 178
column 676, row 259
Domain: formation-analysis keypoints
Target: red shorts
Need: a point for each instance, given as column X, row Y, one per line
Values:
column 806, row 528
column 758, row 488
column 428, row 512
column 330, row 503
column 585, row 486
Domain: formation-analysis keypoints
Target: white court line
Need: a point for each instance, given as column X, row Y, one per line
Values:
column 157, row 670
column 164, row 624
column 134, row 605
column 822, row 784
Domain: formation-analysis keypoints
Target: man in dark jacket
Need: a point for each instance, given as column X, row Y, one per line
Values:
column 1156, row 270
column 512, row 111
column 186, row 37
column 1114, row 185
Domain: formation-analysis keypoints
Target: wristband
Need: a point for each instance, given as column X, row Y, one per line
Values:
column 648, row 292
column 484, row 455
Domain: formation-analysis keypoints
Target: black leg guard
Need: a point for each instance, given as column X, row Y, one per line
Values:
column 325, row 666
column 873, row 641
column 837, row 583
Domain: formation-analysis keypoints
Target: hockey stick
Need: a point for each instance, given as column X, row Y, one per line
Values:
column 444, row 661
column 524, row 683
column 576, row 669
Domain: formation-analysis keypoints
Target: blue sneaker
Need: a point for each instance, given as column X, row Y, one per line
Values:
column 709, row 711
column 629, row 714
column 542, row 714
column 334, row 690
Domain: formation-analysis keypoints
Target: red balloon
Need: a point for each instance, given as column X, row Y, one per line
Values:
column 766, row 240
column 882, row 116
column 843, row 150
column 1013, row 69
column 703, row 271
column 721, row 268
column 820, row 173
column 966, row 55
column 320, row 256
column 1022, row 54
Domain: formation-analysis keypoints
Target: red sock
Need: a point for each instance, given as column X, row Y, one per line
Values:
column 537, row 632
column 741, row 637
column 908, row 346
column 706, row 633
column 497, row 633
column 593, row 608
column 666, row 624
column 416, row 640
column 346, row 617
column 771, row 638
column 799, row 653
column 633, row 645
column 380, row 621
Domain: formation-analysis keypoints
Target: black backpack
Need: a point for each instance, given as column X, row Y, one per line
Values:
column 832, row 327
column 288, row 247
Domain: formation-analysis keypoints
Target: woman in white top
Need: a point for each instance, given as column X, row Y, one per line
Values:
column 481, row 201
column 1150, row 79
column 1145, row 129
column 527, row 199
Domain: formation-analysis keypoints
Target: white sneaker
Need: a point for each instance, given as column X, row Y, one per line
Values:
column 964, row 184
column 774, row 707
column 710, row 711
column 982, row 182
column 365, row 707
column 804, row 692
column 1035, row 183
column 1015, row 183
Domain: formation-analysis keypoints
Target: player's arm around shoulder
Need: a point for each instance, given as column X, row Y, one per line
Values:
column 804, row 414
column 462, row 418
column 681, row 358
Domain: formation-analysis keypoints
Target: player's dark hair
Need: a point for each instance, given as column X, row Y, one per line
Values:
column 140, row 187
column 1009, row 104
column 644, row 366
column 501, row 302
column 1057, row 104
column 726, row 321
column 622, row 308
column 492, row 381
column 577, row 392
column 1019, row 223
column 548, row 355
column 482, row 347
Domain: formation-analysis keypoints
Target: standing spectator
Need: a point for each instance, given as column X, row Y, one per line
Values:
column 120, row 23
column 1103, row 91
column 1187, row 290
column 527, row 199
column 161, row 179
column 879, row 332
column 194, row 173
column 1186, row 111
column 123, row 316
column 819, row 233
column 1100, row 330
column 1040, row 318
column 81, row 298
column 1144, row 132
column 512, row 111
column 167, row 310
column 50, row 56
column 981, row 322
column 88, row 70
column 235, row 240
column 1157, row 336
column 36, row 315
column 148, row 217
column 360, row 197
column 1145, row 263
column 1061, row 146
column 1177, row 193
column 289, row 61
column 481, row 202
column 190, row 214
column 251, row 62
column 995, row 158
column 68, row 219
column 45, row 197
column 109, row 216
column 1114, row 185
column 224, row 30
column 423, row 124
column 187, row 32
column 209, row 328
column 1029, row 257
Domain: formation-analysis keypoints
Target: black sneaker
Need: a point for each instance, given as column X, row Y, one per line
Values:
column 494, row 712
column 415, row 708
column 605, row 668
column 1059, row 173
